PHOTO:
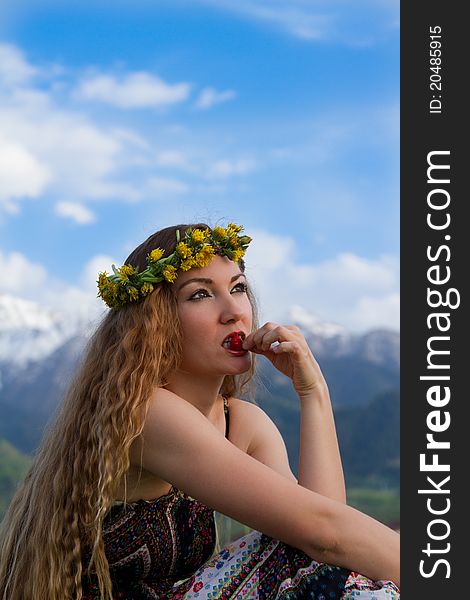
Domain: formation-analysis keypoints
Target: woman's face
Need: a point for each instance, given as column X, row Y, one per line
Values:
column 212, row 304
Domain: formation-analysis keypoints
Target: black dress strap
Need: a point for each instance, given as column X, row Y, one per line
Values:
column 227, row 416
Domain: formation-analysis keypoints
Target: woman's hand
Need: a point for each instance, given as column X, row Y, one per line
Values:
column 290, row 356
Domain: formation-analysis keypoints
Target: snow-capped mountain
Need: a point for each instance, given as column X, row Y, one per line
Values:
column 313, row 324
column 330, row 339
column 30, row 333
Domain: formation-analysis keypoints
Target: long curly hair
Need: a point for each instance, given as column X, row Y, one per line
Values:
column 56, row 516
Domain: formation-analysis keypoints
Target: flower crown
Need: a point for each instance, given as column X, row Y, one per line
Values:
column 196, row 249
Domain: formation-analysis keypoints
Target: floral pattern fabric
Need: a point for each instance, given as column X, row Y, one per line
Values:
column 164, row 550
column 259, row 567
column 151, row 544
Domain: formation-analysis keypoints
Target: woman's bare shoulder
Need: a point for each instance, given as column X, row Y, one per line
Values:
column 162, row 393
column 248, row 415
column 243, row 414
column 243, row 408
column 239, row 403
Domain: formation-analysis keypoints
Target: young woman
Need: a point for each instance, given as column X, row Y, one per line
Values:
column 152, row 438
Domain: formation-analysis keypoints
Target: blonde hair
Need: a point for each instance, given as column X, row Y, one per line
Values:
column 56, row 516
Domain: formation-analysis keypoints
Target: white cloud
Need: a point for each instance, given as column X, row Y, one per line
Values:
column 75, row 211
column 134, row 90
column 378, row 312
column 357, row 292
column 14, row 69
column 21, row 174
column 19, row 274
column 165, row 185
column 204, row 167
column 96, row 264
column 303, row 20
column 47, row 147
column 31, row 281
column 359, row 23
column 268, row 252
column 227, row 168
column 174, row 159
column 42, row 144
column 209, row 97
column 350, row 270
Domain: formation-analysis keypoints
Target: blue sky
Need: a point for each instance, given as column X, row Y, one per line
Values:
column 119, row 118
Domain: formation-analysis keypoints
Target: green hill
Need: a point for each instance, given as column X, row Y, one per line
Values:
column 13, row 467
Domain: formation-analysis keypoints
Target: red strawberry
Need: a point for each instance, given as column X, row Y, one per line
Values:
column 236, row 342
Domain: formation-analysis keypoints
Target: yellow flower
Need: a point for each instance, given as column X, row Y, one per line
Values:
column 237, row 254
column 169, row 273
column 233, row 229
column 198, row 236
column 156, row 254
column 204, row 257
column 183, row 250
column 121, row 299
column 126, row 271
column 133, row 293
column 219, row 232
column 233, row 239
column 146, row 288
column 107, row 290
column 102, row 279
column 187, row 264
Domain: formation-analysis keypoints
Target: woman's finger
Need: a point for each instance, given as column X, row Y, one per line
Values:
column 270, row 333
column 253, row 338
column 278, row 334
column 258, row 335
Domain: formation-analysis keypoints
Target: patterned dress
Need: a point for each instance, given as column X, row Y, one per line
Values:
column 164, row 549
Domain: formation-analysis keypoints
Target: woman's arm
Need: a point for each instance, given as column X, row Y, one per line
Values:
column 320, row 468
column 182, row 447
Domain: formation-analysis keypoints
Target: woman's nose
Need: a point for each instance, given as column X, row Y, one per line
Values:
column 231, row 311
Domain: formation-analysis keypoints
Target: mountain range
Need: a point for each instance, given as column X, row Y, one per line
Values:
column 40, row 348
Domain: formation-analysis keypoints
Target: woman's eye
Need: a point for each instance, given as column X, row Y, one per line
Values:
column 241, row 287
column 199, row 294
